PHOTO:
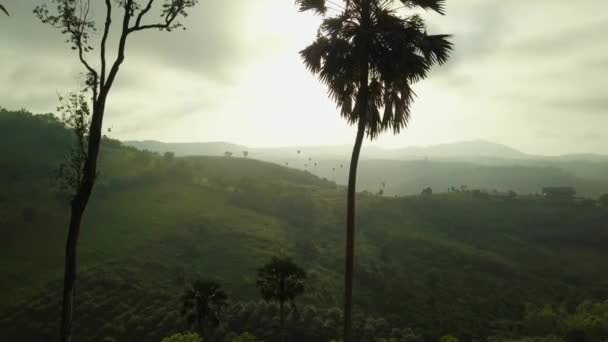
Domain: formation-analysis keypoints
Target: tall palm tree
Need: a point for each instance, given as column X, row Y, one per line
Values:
column 281, row 280
column 202, row 304
column 3, row 9
column 369, row 55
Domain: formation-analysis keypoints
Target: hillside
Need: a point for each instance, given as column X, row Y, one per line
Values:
column 475, row 164
column 456, row 263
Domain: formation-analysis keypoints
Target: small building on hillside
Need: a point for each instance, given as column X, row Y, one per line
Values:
column 559, row 192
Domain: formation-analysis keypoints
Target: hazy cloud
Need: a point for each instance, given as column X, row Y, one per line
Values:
column 517, row 66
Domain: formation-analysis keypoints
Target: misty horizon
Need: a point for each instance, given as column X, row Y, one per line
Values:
column 509, row 81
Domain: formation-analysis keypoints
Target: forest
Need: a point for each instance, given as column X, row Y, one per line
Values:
column 463, row 265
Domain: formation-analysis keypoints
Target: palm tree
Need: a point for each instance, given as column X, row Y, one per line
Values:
column 281, row 280
column 369, row 55
column 202, row 304
column 3, row 9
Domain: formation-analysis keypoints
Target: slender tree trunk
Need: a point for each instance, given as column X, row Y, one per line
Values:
column 69, row 278
column 350, row 232
column 79, row 204
column 363, row 97
column 282, row 318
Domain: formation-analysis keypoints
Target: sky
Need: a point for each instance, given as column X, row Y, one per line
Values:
column 529, row 74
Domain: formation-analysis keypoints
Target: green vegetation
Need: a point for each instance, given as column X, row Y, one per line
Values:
column 281, row 280
column 183, row 338
column 463, row 263
column 202, row 305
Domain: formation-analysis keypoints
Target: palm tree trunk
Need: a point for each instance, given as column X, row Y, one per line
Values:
column 79, row 204
column 350, row 232
column 352, row 177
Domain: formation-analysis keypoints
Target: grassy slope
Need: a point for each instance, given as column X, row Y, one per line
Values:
column 453, row 263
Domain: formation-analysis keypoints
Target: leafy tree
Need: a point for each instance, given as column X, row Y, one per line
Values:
column 281, row 280
column 448, row 338
column 74, row 19
column 169, row 156
column 428, row 191
column 245, row 154
column 368, row 56
column 75, row 115
column 202, row 305
column 193, row 337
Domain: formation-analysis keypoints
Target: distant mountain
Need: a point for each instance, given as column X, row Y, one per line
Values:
column 465, row 149
column 187, row 149
column 476, row 164
column 459, row 150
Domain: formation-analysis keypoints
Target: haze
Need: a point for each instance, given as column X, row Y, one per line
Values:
column 528, row 74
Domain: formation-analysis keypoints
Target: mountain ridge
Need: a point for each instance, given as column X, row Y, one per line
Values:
column 477, row 148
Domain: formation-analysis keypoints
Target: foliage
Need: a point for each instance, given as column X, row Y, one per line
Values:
column 281, row 280
column 396, row 51
column 244, row 337
column 447, row 264
column 193, row 337
column 202, row 305
column 448, row 338
column 75, row 115
column 588, row 320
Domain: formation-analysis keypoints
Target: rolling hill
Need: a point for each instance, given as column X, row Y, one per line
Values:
column 460, row 263
column 475, row 164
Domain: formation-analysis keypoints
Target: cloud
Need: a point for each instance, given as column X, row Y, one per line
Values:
column 517, row 65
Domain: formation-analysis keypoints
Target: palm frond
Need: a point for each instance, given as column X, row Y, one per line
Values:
column 314, row 5
column 436, row 48
column 3, row 9
column 399, row 53
column 314, row 53
column 435, row 5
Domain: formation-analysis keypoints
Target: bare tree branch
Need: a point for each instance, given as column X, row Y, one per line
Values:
column 121, row 47
column 106, row 32
column 143, row 13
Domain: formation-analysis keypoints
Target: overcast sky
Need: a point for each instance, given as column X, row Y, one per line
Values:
column 529, row 74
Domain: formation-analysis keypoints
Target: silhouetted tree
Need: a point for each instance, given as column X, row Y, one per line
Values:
column 169, row 156
column 245, row 154
column 281, row 280
column 202, row 305
column 74, row 18
column 227, row 154
column 427, row 191
column 368, row 56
